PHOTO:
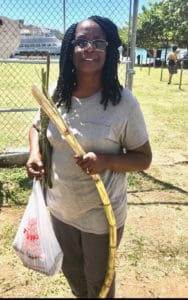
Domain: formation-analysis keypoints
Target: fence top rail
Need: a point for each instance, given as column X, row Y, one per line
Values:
column 2, row 110
column 28, row 61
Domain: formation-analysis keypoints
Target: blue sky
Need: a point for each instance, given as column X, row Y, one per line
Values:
column 145, row 2
column 50, row 13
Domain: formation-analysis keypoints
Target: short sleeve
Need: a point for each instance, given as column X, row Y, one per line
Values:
column 136, row 133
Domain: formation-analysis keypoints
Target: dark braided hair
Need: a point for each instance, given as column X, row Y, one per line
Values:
column 67, row 77
column 111, row 87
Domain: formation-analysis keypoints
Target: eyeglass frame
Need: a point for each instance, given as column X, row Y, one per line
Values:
column 92, row 43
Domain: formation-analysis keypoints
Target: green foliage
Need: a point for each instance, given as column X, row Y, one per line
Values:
column 162, row 24
column 6, row 235
column 149, row 27
column 15, row 186
column 134, row 180
column 175, row 15
column 136, row 248
column 124, row 34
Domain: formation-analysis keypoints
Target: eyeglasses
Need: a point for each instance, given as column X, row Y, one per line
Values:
column 96, row 44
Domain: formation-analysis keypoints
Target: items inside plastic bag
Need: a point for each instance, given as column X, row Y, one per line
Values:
column 35, row 242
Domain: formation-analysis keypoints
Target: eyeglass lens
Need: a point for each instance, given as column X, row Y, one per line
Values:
column 96, row 44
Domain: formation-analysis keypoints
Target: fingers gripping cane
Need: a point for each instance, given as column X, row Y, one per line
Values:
column 53, row 113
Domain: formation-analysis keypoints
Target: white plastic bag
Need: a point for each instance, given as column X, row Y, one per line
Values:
column 35, row 241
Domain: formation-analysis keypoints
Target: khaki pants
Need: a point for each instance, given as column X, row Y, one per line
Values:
column 85, row 259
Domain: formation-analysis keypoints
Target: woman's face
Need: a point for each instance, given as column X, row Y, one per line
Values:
column 89, row 58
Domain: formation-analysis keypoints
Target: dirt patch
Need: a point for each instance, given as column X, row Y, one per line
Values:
column 150, row 263
column 151, row 260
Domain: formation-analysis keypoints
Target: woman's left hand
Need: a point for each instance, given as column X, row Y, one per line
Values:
column 91, row 163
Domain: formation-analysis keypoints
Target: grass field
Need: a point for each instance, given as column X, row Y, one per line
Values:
column 152, row 258
column 15, row 93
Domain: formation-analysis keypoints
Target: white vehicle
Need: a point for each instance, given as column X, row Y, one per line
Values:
column 38, row 44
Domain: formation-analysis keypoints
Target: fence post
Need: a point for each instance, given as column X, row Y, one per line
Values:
column 64, row 16
column 130, row 71
column 162, row 67
column 181, row 74
column 149, row 65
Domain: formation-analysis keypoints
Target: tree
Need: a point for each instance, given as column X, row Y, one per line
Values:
column 175, row 15
column 149, row 26
column 163, row 24
column 124, row 33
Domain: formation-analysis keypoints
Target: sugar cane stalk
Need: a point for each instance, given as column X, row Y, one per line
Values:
column 51, row 110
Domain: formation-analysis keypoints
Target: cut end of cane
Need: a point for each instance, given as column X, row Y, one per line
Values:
column 34, row 87
column 36, row 92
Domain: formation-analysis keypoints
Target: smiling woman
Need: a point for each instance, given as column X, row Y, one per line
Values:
column 87, row 57
column 107, row 121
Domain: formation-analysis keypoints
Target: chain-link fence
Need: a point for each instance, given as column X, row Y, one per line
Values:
column 29, row 30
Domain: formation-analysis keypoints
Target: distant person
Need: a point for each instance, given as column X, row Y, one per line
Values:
column 138, row 59
column 172, row 59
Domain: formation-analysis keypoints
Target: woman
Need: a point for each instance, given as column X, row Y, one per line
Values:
column 172, row 63
column 108, row 123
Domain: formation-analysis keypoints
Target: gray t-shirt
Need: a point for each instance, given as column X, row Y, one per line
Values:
column 74, row 198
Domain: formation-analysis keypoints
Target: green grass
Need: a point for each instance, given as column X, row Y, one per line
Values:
column 15, row 92
column 15, row 84
column 164, row 106
column 165, row 109
column 153, row 251
column 15, row 187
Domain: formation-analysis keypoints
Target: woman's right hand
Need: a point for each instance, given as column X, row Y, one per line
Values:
column 35, row 167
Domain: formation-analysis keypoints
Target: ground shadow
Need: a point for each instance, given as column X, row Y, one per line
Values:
column 166, row 185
